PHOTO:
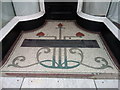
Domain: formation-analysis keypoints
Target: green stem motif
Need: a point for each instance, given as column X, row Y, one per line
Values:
column 65, row 57
column 59, row 61
column 65, row 64
column 22, row 59
column 102, row 61
column 53, row 63
column 59, row 64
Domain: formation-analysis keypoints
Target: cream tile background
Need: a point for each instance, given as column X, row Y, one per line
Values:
column 50, row 29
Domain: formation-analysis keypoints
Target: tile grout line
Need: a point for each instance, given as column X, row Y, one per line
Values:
column 95, row 84
column 22, row 83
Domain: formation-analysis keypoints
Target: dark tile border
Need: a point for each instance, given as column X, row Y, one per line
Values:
column 60, row 43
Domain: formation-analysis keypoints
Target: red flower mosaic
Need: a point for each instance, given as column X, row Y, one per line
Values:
column 79, row 34
column 60, row 25
column 40, row 34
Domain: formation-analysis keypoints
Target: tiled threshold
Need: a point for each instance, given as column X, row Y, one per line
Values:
column 40, row 83
column 60, row 49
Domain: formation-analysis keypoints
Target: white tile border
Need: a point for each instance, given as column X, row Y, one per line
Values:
column 10, row 82
column 19, row 82
column 106, row 83
column 58, row 83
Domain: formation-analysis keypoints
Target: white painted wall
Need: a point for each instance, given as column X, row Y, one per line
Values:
column 26, row 8
column 114, row 12
column 95, row 8
column 10, row 25
column 7, row 12
column 5, row 30
column 105, row 20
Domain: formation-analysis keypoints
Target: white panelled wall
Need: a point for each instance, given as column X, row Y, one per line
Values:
column 30, row 12
column 96, row 8
column 11, row 8
column 113, row 28
column 114, row 13
column 7, row 12
column 26, row 8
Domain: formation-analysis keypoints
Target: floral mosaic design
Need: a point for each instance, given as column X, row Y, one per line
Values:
column 40, row 34
column 79, row 34
column 60, row 64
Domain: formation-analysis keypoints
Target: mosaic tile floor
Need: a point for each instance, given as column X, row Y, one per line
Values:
column 60, row 48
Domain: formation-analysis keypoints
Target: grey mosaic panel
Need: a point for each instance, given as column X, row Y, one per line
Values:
column 60, row 43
